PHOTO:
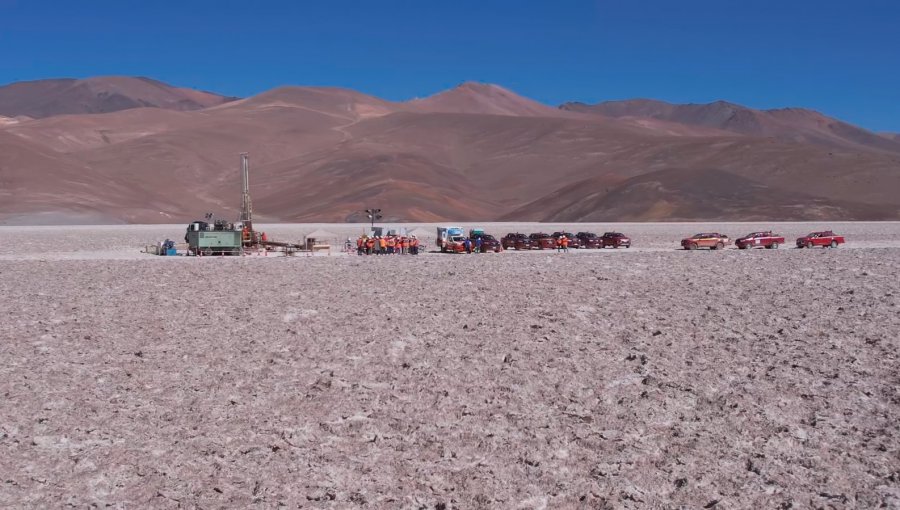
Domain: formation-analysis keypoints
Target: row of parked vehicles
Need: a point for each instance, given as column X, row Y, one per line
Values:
column 765, row 239
column 453, row 239
column 543, row 241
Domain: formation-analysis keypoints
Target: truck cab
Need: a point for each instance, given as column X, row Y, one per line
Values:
column 447, row 236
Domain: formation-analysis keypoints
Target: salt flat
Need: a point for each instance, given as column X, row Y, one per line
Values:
column 639, row 378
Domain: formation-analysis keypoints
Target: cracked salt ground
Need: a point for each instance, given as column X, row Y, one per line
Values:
column 717, row 380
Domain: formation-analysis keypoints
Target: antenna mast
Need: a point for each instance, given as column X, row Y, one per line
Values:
column 246, row 205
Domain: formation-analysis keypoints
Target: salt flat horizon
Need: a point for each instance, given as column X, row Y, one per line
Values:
column 127, row 241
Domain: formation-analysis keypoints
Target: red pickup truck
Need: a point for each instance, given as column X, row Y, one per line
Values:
column 517, row 241
column 759, row 240
column 826, row 238
column 615, row 239
column 541, row 241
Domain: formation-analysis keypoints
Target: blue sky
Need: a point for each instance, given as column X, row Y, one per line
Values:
column 839, row 57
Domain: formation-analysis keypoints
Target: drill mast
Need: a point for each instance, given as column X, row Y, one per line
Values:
column 246, row 204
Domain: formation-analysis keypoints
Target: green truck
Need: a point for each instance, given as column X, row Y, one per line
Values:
column 203, row 241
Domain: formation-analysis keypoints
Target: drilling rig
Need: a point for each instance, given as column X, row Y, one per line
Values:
column 219, row 237
column 248, row 235
column 246, row 218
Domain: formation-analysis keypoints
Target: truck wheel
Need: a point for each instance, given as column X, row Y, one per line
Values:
column 719, row 246
column 773, row 246
column 834, row 244
column 809, row 244
column 691, row 246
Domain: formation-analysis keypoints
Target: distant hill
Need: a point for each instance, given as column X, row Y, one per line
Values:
column 66, row 96
column 789, row 124
column 477, row 152
column 482, row 98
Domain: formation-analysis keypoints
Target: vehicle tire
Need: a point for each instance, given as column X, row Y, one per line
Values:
column 742, row 246
column 773, row 246
column 718, row 246
column 809, row 244
column 833, row 244
column 691, row 246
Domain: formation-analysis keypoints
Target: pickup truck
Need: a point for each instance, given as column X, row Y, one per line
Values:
column 515, row 241
column 825, row 239
column 759, row 240
column 574, row 241
column 589, row 240
column 542, row 241
column 614, row 239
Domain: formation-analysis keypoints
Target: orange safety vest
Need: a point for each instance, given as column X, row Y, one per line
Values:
column 406, row 243
column 382, row 243
column 392, row 242
column 565, row 241
column 370, row 243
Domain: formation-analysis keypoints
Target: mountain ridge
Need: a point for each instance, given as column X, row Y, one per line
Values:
column 476, row 152
column 101, row 94
column 789, row 124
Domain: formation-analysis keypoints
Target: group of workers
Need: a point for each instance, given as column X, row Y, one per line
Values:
column 387, row 245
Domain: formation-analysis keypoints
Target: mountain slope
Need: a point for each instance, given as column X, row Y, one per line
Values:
column 698, row 194
column 789, row 124
column 45, row 98
column 324, row 154
column 482, row 98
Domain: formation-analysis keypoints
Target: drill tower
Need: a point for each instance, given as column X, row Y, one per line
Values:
column 246, row 205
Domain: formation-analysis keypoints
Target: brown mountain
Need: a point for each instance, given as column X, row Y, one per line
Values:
column 788, row 124
column 482, row 98
column 45, row 98
column 476, row 153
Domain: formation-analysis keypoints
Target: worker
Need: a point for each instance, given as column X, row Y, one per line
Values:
column 391, row 245
column 360, row 245
column 414, row 245
column 382, row 245
column 370, row 245
column 467, row 243
column 479, row 244
column 405, row 242
column 565, row 243
column 264, row 237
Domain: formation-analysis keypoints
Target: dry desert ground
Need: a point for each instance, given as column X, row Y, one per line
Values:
column 641, row 378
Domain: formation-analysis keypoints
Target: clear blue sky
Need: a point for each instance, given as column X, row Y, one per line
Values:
column 840, row 57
